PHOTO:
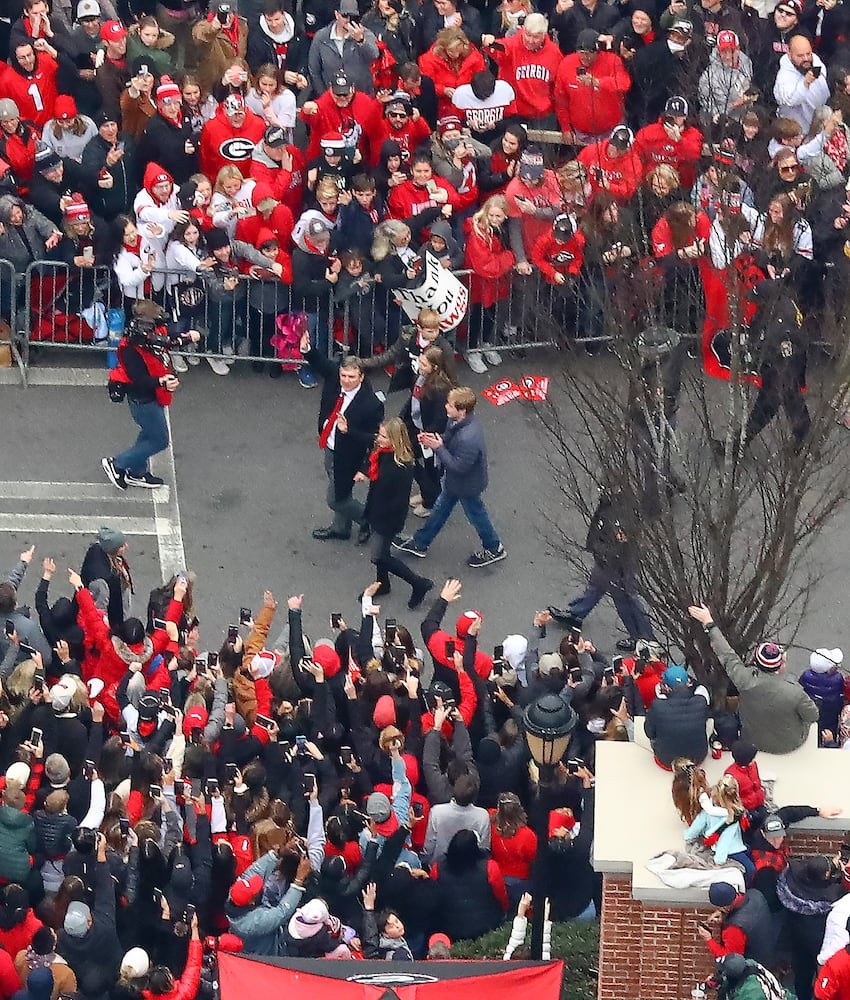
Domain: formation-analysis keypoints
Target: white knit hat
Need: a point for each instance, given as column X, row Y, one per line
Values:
column 19, row 773
column 135, row 964
column 823, row 660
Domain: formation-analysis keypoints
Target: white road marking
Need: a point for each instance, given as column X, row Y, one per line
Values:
column 165, row 523
column 169, row 533
column 79, row 491
column 76, row 524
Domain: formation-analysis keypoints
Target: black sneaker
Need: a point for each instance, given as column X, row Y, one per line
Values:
column 565, row 617
column 147, row 481
column 419, row 591
column 117, row 477
column 409, row 546
column 485, row 557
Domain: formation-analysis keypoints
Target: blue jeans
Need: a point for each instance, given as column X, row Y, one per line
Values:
column 476, row 514
column 743, row 858
column 152, row 439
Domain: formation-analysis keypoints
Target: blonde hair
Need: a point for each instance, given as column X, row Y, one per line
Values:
column 727, row 795
column 383, row 243
column 572, row 174
column 428, row 316
column 77, row 126
column 479, row 220
column 463, row 398
column 268, row 70
column 229, row 172
column 664, row 172
column 396, row 431
column 447, row 37
column 327, row 188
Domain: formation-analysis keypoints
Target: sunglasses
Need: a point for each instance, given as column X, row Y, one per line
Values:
column 790, row 168
column 396, row 114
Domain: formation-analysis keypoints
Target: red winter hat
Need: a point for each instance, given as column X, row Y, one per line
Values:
column 196, row 718
column 334, row 141
column 245, row 890
column 77, row 211
column 167, row 89
column 465, row 620
column 230, row 942
column 326, row 656
column 64, row 108
column 449, row 123
column 260, row 193
column 384, row 713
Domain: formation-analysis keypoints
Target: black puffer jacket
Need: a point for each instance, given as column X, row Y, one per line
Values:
column 675, row 725
column 53, row 834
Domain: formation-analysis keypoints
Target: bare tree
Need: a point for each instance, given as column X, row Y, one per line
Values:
column 711, row 520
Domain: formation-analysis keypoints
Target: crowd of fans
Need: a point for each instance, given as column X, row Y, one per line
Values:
column 369, row 795
column 317, row 150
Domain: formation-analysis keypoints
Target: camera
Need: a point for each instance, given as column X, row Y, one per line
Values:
column 574, row 765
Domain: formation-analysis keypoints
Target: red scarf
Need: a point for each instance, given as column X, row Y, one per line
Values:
column 374, row 458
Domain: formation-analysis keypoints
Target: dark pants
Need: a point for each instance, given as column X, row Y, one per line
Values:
column 425, row 471
column 386, row 563
column 623, row 591
column 770, row 399
column 346, row 509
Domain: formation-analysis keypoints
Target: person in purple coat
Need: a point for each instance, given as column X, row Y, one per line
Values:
column 823, row 682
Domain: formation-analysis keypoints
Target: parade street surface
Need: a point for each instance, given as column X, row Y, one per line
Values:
column 250, row 487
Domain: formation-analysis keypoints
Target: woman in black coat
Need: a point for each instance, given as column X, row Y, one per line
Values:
column 390, row 475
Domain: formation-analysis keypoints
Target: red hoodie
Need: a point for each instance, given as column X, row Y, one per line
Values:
column 592, row 109
column 280, row 222
column 265, row 235
column 531, row 74
column 34, row 93
column 286, row 185
column 448, row 76
column 654, row 146
column 222, row 144
column 410, row 138
column 359, row 122
column 620, row 176
column 551, row 256
column 407, row 200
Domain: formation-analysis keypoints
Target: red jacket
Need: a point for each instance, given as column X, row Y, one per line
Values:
column 361, row 121
column 654, row 146
column 280, row 222
column 36, row 93
column 513, row 855
column 286, row 185
column 407, row 199
column 620, row 176
column 833, row 979
column 10, row 982
column 222, row 144
column 410, row 138
column 662, row 237
column 552, row 257
column 531, row 74
column 20, row 936
column 468, row 698
column 110, row 666
column 491, row 264
column 186, row 986
column 591, row 109
column 749, row 783
column 154, row 364
column 445, row 75
column 18, row 151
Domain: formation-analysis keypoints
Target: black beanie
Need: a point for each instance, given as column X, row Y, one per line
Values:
column 743, row 753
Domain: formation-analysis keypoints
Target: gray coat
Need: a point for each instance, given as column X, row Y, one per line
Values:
column 324, row 61
column 776, row 713
column 36, row 227
column 463, row 456
column 29, row 631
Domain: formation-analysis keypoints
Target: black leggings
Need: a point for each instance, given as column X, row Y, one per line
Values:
column 386, row 563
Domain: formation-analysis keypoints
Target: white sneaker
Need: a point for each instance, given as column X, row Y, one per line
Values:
column 476, row 363
column 415, row 500
column 243, row 348
column 492, row 357
column 229, row 356
column 178, row 363
column 192, row 357
column 218, row 366
column 420, row 511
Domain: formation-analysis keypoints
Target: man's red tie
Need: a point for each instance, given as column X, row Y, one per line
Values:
column 330, row 423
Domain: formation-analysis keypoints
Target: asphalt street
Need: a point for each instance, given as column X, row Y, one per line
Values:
column 250, row 489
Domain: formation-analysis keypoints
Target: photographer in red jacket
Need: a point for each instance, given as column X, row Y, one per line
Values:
column 145, row 377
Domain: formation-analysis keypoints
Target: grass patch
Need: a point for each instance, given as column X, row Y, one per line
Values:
column 577, row 942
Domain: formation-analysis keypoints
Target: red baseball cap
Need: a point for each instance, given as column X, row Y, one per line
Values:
column 113, row 31
column 727, row 40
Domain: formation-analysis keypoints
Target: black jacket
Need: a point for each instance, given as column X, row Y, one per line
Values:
column 467, row 907
column 759, row 926
column 675, row 725
column 165, row 144
column 96, row 566
column 387, row 502
column 109, row 202
column 95, row 957
column 364, row 415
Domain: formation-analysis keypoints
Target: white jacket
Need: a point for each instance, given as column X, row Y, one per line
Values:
column 835, row 935
column 794, row 98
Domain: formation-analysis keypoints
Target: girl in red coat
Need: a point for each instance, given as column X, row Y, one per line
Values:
column 513, row 845
column 491, row 262
column 746, row 772
column 451, row 61
column 680, row 244
column 163, row 986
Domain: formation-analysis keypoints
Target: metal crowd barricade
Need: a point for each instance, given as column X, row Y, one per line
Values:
column 83, row 309
column 13, row 339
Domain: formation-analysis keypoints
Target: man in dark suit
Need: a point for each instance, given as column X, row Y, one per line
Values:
column 349, row 416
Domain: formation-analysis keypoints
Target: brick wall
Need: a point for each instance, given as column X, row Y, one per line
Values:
column 651, row 952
